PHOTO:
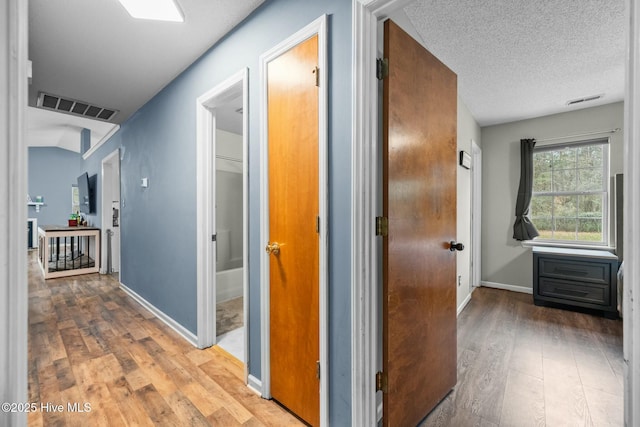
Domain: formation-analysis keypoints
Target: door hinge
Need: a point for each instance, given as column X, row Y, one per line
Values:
column 213, row 237
column 382, row 68
column 318, row 369
column 318, row 224
column 382, row 226
column 381, row 382
column 316, row 71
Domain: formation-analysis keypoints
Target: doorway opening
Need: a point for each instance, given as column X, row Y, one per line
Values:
column 222, row 221
column 110, row 263
column 229, row 205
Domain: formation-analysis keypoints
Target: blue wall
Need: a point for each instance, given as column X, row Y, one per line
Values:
column 52, row 172
column 159, row 142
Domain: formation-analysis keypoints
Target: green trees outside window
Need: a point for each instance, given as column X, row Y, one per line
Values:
column 570, row 184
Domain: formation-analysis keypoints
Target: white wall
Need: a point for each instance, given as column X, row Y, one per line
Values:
column 228, row 145
column 468, row 130
column 229, row 201
column 504, row 260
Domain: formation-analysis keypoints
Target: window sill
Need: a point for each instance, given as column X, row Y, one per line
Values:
column 532, row 243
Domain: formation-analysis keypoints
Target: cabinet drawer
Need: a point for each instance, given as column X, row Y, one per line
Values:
column 590, row 271
column 588, row 293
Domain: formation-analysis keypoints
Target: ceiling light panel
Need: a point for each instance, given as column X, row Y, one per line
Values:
column 158, row 10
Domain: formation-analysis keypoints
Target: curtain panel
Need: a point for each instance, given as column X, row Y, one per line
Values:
column 523, row 228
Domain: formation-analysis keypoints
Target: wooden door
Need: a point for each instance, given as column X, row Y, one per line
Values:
column 293, row 208
column 419, row 200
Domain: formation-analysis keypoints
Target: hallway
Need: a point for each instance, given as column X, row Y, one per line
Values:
column 518, row 365
column 90, row 343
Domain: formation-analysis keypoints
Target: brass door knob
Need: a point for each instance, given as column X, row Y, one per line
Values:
column 272, row 248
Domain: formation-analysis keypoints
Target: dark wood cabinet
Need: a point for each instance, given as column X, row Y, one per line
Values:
column 576, row 277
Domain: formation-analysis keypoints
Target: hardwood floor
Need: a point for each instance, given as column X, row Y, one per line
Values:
column 91, row 343
column 518, row 365
column 522, row 365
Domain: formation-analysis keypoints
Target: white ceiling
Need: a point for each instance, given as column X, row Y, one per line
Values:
column 50, row 129
column 93, row 51
column 518, row 59
column 229, row 115
column 515, row 59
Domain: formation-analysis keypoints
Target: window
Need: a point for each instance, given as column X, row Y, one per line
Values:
column 570, row 192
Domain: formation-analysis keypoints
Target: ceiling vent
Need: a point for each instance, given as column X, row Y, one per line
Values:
column 585, row 99
column 72, row 106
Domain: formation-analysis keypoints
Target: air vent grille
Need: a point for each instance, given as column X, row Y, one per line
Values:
column 72, row 106
column 79, row 108
column 48, row 101
column 585, row 99
column 65, row 105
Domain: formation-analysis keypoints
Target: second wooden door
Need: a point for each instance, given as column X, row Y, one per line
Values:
column 419, row 200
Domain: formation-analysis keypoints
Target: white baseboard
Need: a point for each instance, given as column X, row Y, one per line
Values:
column 464, row 304
column 255, row 385
column 167, row 320
column 512, row 288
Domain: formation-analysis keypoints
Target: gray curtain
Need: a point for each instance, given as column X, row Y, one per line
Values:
column 523, row 228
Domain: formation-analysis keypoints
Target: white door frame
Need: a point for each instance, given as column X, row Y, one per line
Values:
column 476, row 215
column 13, row 209
column 364, row 303
column 631, row 293
column 317, row 27
column 113, row 160
column 206, row 213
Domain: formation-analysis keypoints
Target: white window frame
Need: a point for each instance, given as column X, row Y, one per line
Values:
column 606, row 208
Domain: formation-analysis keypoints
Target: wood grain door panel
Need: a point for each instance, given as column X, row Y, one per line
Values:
column 419, row 200
column 293, row 208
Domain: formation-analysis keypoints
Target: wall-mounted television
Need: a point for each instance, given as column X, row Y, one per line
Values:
column 86, row 193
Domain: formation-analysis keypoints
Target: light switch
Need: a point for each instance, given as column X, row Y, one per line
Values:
column 145, row 182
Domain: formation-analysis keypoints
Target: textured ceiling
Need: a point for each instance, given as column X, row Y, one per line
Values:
column 518, row 59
